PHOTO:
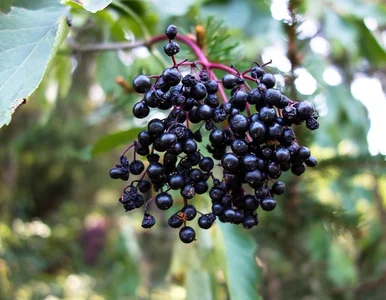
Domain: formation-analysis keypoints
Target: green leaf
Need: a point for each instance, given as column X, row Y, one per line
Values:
column 361, row 9
column 341, row 29
column 355, row 163
column 341, row 266
column 92, row 5
column 109, row 66
column 238, row 263
column 5, row 5
column 198, row 285
column 110, row 141
column 219, row 43
column 170, row 7
column 370, row 47
column 29, row 39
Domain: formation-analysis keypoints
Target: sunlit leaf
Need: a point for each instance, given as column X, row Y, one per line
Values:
column 113, row 140
column 198, row 285
column 341, row 268
column 33, row 37
column 238, row 262
column 170, row 7
column 370, row 48
column 108, row 67
column 341, row 29
column 93, row 5
column 5, row 5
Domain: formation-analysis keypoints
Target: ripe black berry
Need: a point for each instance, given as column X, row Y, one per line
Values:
column 171, row 49
column 304, row 110
column 188, row 191
column 278, row 188
column 156, row 127
column 190, row 212
column 116, row 173
column 268, row 204
column 272, row 97
column 141, row 110
column 268, row 80
column 141, row 84
column 229, row 81
column 206, row 164
column 249, row 222
column 187, row 234
column 171, row 76
column 252, row 146
column 144, row 186
column 176, row 181
column 198, row 91
column 164, row 201
column 230, row 162
column 239, row 124
column 171, row 32
column 311, row 162
column 174, row 221
column 205, row 222
column 136, row 167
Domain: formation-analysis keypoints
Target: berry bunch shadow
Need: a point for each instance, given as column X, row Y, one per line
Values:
column 252, row 150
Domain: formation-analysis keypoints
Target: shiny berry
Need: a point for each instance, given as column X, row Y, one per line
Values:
column 268, row 204
column 141, row 84
column 141, row 110
column 164, row 201
column 171, row 32
column 171, row 48
column 187, row 234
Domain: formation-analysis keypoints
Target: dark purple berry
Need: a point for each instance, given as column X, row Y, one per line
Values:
column 187, row 234
column 171, row 32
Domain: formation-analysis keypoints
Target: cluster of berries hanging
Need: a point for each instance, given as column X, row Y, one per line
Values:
column 251, row 150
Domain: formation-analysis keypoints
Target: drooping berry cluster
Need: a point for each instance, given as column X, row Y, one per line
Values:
column 253, row 149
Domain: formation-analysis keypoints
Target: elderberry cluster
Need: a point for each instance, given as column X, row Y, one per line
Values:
column 250, row 149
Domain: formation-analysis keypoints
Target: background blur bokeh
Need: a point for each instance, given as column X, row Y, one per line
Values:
column 63, row 234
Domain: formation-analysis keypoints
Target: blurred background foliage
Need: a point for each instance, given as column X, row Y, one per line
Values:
column 63, row 235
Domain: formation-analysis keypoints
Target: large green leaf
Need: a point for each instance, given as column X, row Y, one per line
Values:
column 341, row 29
column 5, row 5
column 341, row 267
column 355, row 163
column 170, row 7
column 238, row 262
column 29, row 39
column 198, row 285
column 370, row 47
column 362, row 9
column 110, row 141
column 91, row 5
column 108, row 67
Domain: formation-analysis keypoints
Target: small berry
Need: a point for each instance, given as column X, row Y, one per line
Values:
column 171, row 32
column 268, row 204
column 141, row 110
column 141, row 84
column 229, row 81
column 171, row 48
column 174, row 221
column 268, row 80
column 148, row 221
column 187, row 234
column 136, row 167
column 164, row 201
column 116, row 173
column 190, row 212
column 278, row 188
column 205, row 221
